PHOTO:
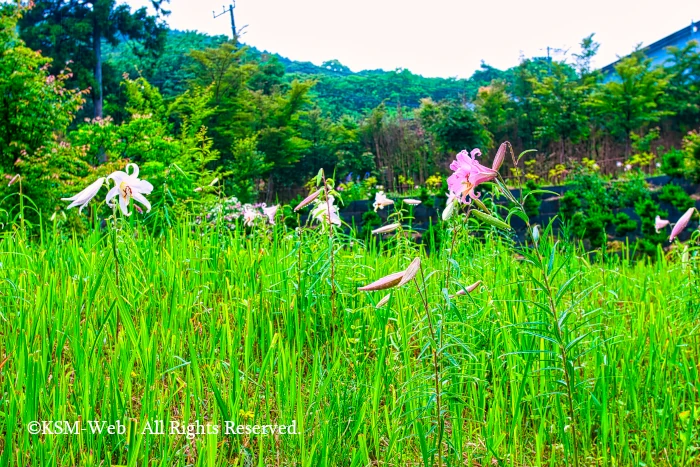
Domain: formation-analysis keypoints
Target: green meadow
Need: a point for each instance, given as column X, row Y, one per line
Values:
column 558, row 357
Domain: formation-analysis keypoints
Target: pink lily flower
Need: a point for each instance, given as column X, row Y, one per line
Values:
column 660, row 223
column 468, row 174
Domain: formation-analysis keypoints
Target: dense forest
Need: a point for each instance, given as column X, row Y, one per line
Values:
column 89, row 85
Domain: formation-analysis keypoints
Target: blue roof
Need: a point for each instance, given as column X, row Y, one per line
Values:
column 657, row 51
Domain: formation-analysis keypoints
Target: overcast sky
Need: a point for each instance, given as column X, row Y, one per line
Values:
column 436, row 37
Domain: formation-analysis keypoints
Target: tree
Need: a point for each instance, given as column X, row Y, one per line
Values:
column 684, row 84
column 632, row 99
column 34, row 104
column 559, row 97
column 250, row 102
column 589, row 49
column 454, row 126
column 492, row 104
column 73, row 31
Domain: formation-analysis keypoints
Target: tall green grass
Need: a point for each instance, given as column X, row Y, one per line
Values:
column 219, row 325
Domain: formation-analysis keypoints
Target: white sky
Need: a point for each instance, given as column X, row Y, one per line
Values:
column 436, row 37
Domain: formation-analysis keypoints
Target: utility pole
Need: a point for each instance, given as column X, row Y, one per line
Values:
column 233, row 22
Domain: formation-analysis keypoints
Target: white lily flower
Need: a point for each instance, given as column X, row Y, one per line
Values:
column 126, row 186
column 84, row 197
column 321, row 211
column 449, row 206
column 412, row 202
column 270, row 212
column 381, row 201
column 249, row 216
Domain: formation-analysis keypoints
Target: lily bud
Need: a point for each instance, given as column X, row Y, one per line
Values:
column 469, row 289
column 500, row 156
column 308, row 200
column 386, row 229
column 681, row 224
column 385, row 282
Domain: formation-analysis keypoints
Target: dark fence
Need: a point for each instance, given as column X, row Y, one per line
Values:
column 424, row 216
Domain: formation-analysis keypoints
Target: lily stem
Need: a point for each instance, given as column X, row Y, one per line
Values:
column 116, row 259
column 330, row 242
column 436, row 364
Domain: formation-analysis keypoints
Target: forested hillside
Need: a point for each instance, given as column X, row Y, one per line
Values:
column 266, row 123
column 338, row 90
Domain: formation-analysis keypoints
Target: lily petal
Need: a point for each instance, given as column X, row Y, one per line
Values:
column 84, row 197
column 111, row 194
column 308, row 200
column 141, row 199
column 124, row 206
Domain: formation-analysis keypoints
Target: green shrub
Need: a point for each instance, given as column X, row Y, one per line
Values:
column 424, row 195
column 647, row 210
column 532, row 202
column 631, row 191
column 676, row 196
column 370, row 221
column 290, row 217
column 569, row 204
column 673, row 163
column 624, row 224
column 595, row 225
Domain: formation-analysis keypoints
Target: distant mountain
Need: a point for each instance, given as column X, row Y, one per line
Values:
column 338, row 90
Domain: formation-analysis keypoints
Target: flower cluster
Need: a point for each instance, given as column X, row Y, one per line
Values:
column 231, row 209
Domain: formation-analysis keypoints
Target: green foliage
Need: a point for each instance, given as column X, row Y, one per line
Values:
column 531, row 202
column 36, row 107
column 647, row 210
column 66, row 30
column 559, row 99
column 247, row 165
column 455, row 126
column 370, row 221
column 630, row 191
column 570, row 204
column 176, row 162
column 673, row 163
column 684, row 84
column 624, row 224
column 676, row 196
column 691, row 150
